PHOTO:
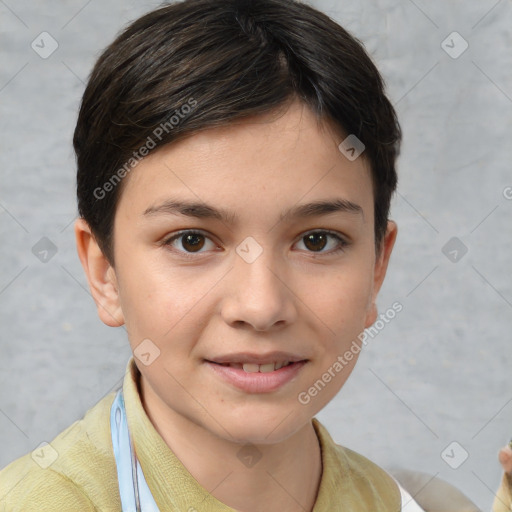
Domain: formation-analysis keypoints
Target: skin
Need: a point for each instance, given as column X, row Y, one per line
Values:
column 295, row 297
column 505, row 458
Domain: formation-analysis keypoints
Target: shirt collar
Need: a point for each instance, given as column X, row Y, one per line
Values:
column 342, row 487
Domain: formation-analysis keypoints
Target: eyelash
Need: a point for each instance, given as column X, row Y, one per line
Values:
column 342, row 243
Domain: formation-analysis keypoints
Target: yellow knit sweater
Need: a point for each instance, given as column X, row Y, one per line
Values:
column 77, row 471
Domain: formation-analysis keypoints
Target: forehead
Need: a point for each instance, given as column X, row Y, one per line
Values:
column 252, row 166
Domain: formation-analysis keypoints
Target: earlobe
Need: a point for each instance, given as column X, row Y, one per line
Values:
column 100, row 274
column 382, row 260
column 381, row 266
column 371, row 315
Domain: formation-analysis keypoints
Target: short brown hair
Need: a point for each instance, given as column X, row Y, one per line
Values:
column 196, row 64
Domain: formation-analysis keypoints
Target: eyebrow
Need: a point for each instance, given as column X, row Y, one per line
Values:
column 203, row 210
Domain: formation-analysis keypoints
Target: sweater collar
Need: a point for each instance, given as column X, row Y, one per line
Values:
column 342, row 485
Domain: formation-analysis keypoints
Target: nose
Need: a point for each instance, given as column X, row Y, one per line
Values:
column 258, row 294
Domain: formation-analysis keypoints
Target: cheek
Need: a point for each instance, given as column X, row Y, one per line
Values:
column 154, row 300
column 346, row 300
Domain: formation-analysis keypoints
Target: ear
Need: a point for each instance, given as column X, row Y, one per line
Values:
column 100, row 275
column 381, row 266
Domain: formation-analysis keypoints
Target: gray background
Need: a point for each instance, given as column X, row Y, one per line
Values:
column 436, row 374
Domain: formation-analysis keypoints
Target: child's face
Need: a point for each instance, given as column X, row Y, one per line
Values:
column 213, row 295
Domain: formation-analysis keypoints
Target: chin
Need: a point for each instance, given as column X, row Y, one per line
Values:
column 256, row 427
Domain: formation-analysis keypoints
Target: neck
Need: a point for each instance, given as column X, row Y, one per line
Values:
column 280, row 477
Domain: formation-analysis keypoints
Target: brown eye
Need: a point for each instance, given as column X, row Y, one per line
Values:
column 193, row 242
column 315, row 241
column 188, row 243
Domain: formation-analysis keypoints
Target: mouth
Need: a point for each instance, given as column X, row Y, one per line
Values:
column 264, row 376
column 254, row 368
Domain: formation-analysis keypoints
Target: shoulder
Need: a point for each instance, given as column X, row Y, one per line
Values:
column 75, row 471
column 371, row 481
column 351, row 473
column 361, row 467
column 39, row 491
